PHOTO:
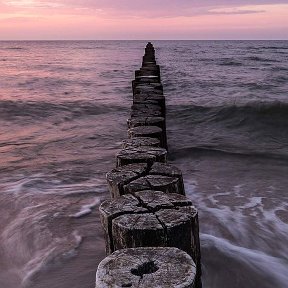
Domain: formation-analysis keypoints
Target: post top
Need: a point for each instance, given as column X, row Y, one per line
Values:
column 149, row 45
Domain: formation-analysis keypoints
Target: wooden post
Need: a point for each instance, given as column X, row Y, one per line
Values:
column 141, row 154
column 140, row 141
column 148, row 206
column 145, row 109
column 147, row 267
column 151, row 219
column 168, row 170
column 149, row 131
column 139, row 88
column 118, row 177
column 156, row 182
column 147, row 121
column 156, row 98
column 147, row 72
column 136, row 177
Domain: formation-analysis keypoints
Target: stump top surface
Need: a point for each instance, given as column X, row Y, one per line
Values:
column 120, row 174
column 145, row 130
column 142, row 149
column 151, row 181
column 165, row 169
column 140, row 141
column 164, row 267
column 147, row 154
column 147, row 119
column 146, row 200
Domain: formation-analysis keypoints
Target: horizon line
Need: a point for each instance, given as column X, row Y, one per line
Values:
column 278, row 39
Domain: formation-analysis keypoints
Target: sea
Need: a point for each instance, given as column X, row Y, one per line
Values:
column 63, row 112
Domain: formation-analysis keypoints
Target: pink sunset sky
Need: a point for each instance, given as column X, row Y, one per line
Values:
column 134, row 19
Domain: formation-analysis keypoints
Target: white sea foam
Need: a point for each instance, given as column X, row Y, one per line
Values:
column 247, row 223
column 47, row 184
column 266, row 266
column 51, row 256
column 86, row 209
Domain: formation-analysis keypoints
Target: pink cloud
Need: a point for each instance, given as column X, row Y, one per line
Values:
column 164, row 8
column 127, row 19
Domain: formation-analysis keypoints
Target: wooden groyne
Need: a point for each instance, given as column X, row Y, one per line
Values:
column 151, row 228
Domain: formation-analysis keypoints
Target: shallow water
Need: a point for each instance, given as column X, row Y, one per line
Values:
column 63, row 111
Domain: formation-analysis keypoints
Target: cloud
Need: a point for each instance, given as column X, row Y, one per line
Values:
column 233, row 11
column 30, row 4
column 19, row 20
column 144, row 9
column 131, row 19
column 168, row 8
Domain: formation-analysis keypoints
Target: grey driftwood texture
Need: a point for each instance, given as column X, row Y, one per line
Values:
column 141, row 154
column 150, row 219
column 140, row 141
column 157, row 267
column 149, row 131
column 140, row 176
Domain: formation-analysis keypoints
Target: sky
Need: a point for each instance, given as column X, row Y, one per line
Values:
column 145, row 19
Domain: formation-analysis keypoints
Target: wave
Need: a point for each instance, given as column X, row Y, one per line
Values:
column 257, row 128
column 254, row 268
column 267, row 47
column 91, row 48
column 15, row 110
column 279, row 68
column 229, row 62
column 273, row 113
column 223, row 151
column 275, row 47
column 260, row 59
column 13, row 48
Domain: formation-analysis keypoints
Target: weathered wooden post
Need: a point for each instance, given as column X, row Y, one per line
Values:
column 157, row 98
column 147, row 121
column 149, row 131
column 146, row 154
column 147, row 267
column 151, row 219
column 140, row 141
column 150, row 226
column 140, row 176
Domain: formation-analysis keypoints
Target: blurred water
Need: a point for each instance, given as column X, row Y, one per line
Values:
column 63, row 110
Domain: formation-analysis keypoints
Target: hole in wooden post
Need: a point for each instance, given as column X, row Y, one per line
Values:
column 145, row 268
column 127, row 285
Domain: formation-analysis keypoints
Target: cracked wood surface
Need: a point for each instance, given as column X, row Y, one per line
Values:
column 150, row 95
column 140, row 176
column 144, row 106
column 141, row 154
column 120, row 176
column 155, row 88
column 148, row 131
column 150, row 218
column 154, row 182
column 147, row 121
column 142, row 110
column 147, row 267
column 140, row 141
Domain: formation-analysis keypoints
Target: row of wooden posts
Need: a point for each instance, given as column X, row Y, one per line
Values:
column 151, row 228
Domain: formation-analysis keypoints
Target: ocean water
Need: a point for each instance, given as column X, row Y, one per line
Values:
column 63, row 111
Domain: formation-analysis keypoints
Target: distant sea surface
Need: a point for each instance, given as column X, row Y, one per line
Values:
column 63, row 111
